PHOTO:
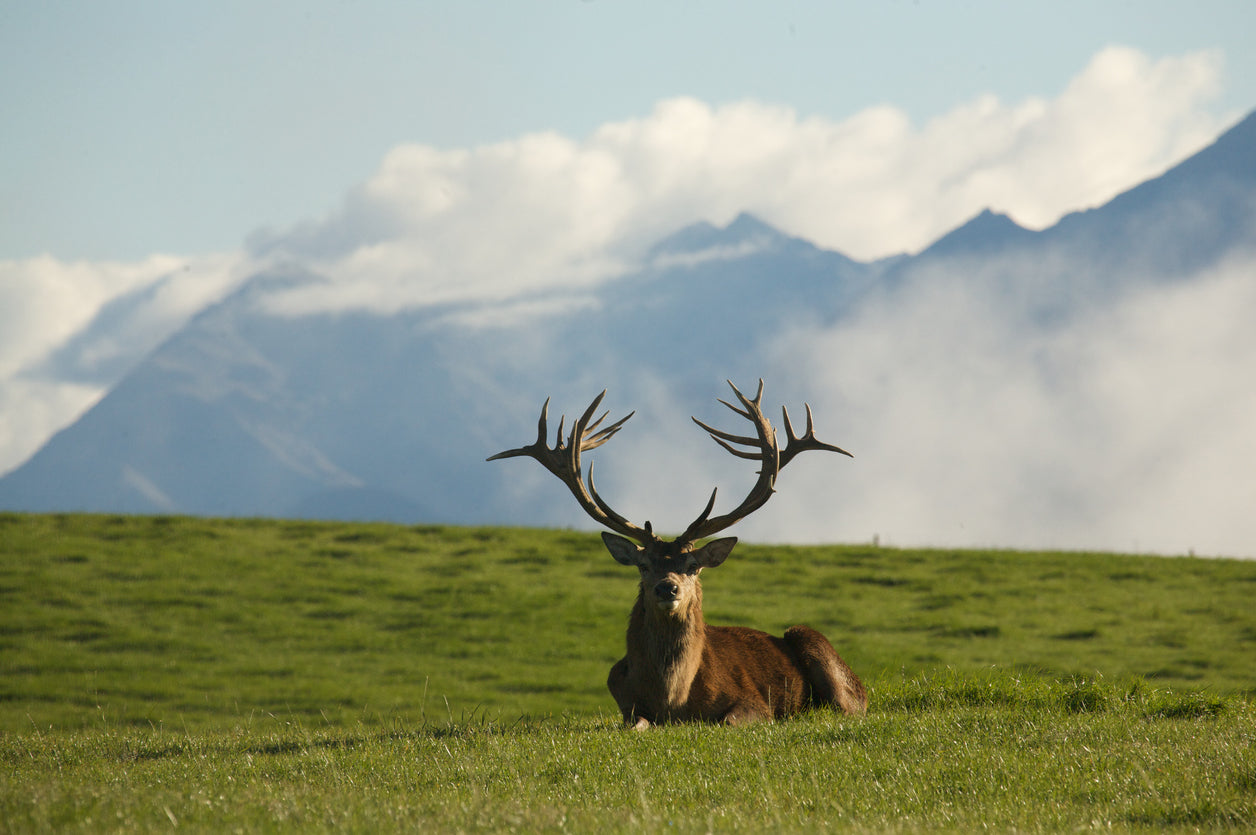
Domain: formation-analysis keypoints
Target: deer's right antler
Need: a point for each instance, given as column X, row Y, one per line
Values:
column 764, row 449
column 563, row 460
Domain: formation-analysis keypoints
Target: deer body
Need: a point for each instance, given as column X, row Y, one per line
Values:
column 677, row 668
column 726, row 674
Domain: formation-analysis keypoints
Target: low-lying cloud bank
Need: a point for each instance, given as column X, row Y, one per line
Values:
column 1126, row 427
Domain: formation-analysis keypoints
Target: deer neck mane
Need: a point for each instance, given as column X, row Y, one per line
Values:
column 669, row 646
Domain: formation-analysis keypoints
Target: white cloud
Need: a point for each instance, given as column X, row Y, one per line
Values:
column 667, row 260
column 68, row 331
column 1125, row 428
column 1123, row 119
column 548, row 211
column 43, row 301
column 32, row 410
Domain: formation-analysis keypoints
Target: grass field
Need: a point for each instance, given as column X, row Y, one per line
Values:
column 220, row 675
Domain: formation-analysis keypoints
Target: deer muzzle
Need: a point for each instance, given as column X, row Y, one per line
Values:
column 667, row 595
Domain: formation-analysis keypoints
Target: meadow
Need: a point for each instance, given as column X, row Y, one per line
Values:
column 162, row 673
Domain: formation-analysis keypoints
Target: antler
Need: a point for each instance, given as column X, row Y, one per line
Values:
column 563, row 460
column 765, row 450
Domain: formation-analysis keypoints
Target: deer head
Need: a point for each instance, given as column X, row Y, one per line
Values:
column 669, row 568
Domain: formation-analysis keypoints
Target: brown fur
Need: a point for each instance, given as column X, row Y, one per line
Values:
column 680, row 669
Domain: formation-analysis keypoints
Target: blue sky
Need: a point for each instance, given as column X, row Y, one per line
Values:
column 133, row 128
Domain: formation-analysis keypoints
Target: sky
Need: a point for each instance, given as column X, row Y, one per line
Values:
column 133, row 128
column 157, row 154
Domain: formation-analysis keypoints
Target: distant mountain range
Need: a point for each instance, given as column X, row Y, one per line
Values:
column 360, row 415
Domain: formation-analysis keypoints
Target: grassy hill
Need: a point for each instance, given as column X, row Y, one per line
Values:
column 193, row 622
column 463, row 670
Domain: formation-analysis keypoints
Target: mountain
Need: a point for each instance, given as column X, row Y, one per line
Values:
column 366, row 416
column 1177, row 223
column 989, row 233
column 1174, row 224
column 1190, row 219
column 246, row 411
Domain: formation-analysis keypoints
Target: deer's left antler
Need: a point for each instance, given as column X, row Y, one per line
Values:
column 763, row 448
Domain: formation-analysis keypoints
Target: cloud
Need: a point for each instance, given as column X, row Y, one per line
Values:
column 68, row 331
column 32, row 410
column 1125, row 427
column 547, row 211
column 43, row 301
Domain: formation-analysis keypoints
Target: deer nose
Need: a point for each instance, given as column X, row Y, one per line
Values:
column 666, row 590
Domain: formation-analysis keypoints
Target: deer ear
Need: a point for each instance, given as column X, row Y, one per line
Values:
column 715, row 551
column 625, row 551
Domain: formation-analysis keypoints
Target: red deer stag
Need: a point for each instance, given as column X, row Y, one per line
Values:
column 678, row 668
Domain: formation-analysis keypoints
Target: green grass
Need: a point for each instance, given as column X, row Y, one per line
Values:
column 292, row 676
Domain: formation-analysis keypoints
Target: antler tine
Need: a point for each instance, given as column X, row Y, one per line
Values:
column 766, row 435
column 795, row 445
column 620, row 522
column 722, row 438
column 558, row 435
column 536, row 446
column 758, row 398
column 592, row 427
column 540, row 424
column 575, row 445
column 766, row 450
column 753, row 407
column 750, row 405
column 563, row 460
column 790, row 437
column 706, row 512
column 736, row 409
column 606, row 434
column 579, row 427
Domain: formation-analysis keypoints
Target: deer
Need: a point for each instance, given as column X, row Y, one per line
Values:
column 677, row 667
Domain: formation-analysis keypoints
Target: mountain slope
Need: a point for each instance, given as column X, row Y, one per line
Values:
column 362, row 415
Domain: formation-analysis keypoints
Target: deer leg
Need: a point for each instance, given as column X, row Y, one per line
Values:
column 832, row 681
column 750, row 707
column 744, row 714
column 617, row 683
